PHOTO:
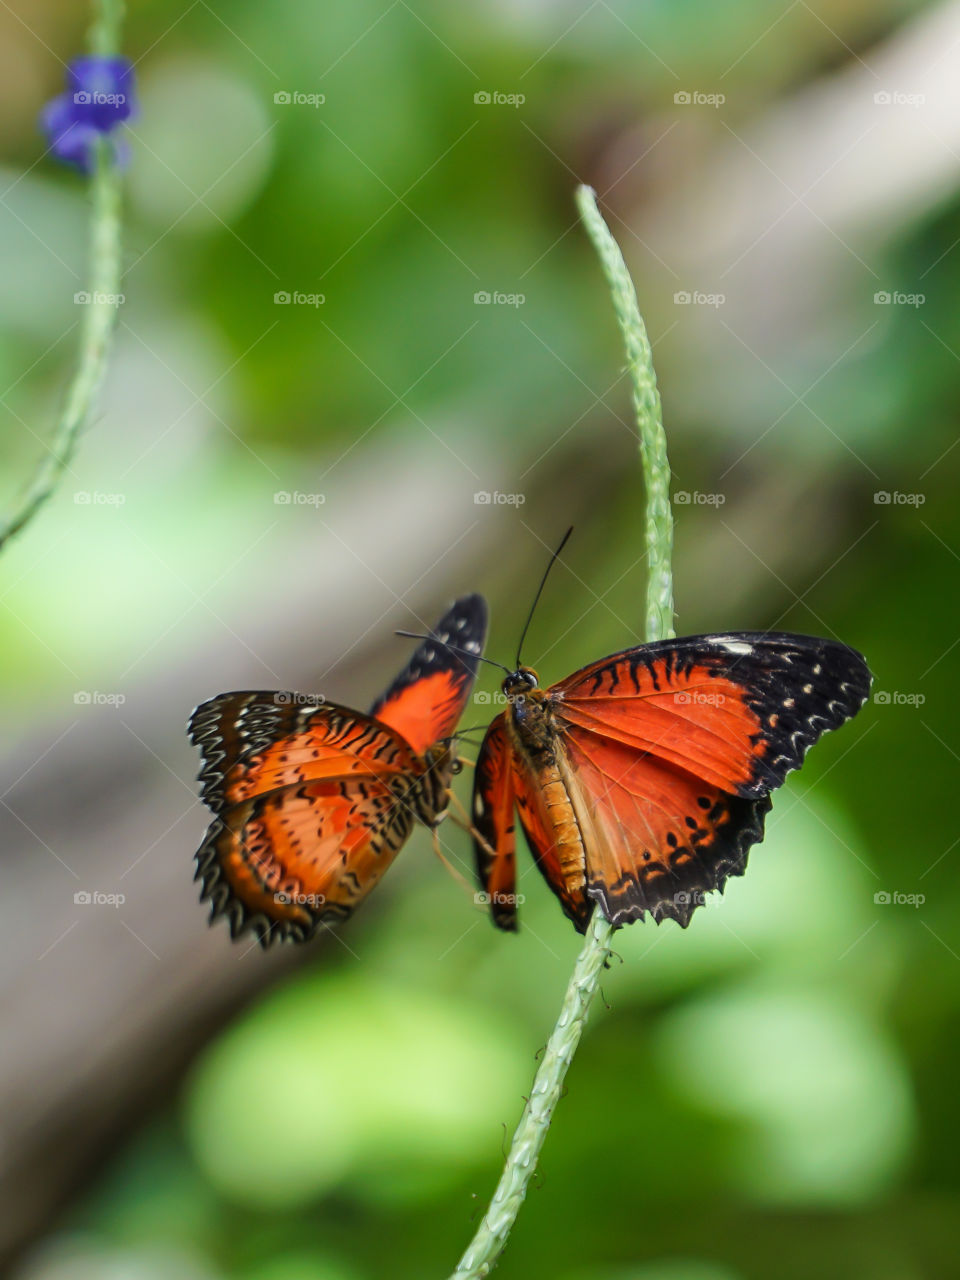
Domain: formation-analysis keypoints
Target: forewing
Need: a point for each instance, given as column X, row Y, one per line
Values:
column 427, row 698
column 669, row 753
column 738, row 711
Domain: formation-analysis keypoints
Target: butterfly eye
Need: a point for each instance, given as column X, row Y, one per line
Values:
column 456, row 767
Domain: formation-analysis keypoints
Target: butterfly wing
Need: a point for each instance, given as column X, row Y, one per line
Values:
column 312, row 802
column 669, row 752
column 493, row 804
column 427, row 698
column 504, row 784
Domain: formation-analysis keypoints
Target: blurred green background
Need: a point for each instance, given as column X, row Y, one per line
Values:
column 771, row 1092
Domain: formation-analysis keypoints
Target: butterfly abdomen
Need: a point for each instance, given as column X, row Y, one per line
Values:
column 534, row 737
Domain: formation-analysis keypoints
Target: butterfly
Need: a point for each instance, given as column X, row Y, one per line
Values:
column 313, row 801
column 642, row 780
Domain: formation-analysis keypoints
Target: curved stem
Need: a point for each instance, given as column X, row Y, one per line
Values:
column 99, row 314
column 491, row 1237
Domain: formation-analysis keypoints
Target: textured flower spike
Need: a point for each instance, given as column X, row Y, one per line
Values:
column 99, row 98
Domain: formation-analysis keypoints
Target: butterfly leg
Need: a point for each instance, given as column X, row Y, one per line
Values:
column 457, row 875
column 464, row 823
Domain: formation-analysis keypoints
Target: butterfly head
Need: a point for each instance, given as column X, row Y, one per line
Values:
column 520, row 683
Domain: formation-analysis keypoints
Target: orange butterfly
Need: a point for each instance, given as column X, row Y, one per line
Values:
column 313, row 801
column 642, row 780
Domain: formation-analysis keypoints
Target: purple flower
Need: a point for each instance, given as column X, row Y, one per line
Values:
column 99, row 97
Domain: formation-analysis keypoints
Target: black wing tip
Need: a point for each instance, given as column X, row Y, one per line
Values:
column 506, row 922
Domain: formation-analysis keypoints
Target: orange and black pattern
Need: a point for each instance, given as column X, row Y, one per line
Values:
column 643, row 780
column 313, row 801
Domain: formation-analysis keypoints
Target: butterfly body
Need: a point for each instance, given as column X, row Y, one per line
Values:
column 312, row 801
column 642, row 780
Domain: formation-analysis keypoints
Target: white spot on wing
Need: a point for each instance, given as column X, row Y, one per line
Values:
column 731, row 646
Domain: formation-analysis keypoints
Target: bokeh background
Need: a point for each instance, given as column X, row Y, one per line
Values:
column 773, row 1091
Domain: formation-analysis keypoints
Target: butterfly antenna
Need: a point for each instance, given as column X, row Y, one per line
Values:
column 413, row 635
column 536, row 598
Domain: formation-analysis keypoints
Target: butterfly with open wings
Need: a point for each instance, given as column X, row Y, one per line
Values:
column 642, row 780
column 313, row 801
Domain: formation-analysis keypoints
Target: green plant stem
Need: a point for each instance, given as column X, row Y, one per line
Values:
column 491, row 1236
column 98, row 317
